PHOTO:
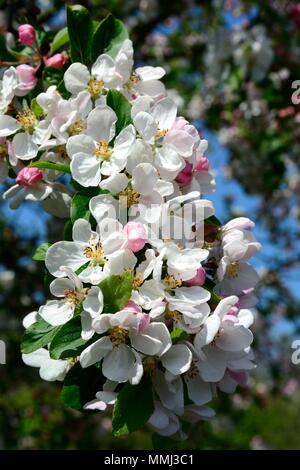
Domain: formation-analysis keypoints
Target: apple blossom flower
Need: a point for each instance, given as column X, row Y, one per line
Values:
column 92, row 155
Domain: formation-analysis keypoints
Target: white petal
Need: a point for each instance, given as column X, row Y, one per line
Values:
column 177, row 359
column 198, row 391
column 80, row 144
column 150, row 73
column 57, row 312
column 95, row 352
column 104, row 68
column 115, row 183
column 234, row 338
column 164, row 113
column 85, row 170
column 24, row 147
column 144, row 178
column 8, row 125
column 101, row 123
column 103, row 206
column 159, row 331
column 76, row 78
column 59, row 286
column 29, row 319
column 208, row 331
column 119, row 363
column 82, row 232
column 146, row 126
column 87, row 330
column 93, row 303
column 65, row 253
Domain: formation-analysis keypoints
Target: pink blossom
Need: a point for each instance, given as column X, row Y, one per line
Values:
column 57, row 60
column 29, row 176
column 186, row 175
column 136, row 235
column 131, row 306
column 199, row 279
column 202, row 164
column 27, row 34
column 27, row 79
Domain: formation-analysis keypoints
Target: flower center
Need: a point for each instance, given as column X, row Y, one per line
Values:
column 171, row 314
column 95, row 254
column 132, row 197
column 136, row 280
column 149, row 365
column 102, row 150
column 233, row 269
column 75, row 297
column 118, row 335
column 27, row 120
column 76, row 128
column 62, row 151
column 171, row 282
column 160, row 135
column 133, row 80
column 95, row 87
column 193, row 371
column 3, row 151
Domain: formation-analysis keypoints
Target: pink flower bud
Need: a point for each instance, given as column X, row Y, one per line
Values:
column 197, row 280
column 57, row 60
column 29, row 176
column 202, row 164
column 136, row 235
column 186, row 175
column 27, row 79
column 27, row 34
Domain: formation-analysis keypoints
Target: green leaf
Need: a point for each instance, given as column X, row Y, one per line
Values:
column 40, row 252
column 37, row 336
column 68, row 231
column 36, row 108
column 53, row 75
column 108, row 37
column 116, row 292
column 5, row 53
column 80, row 29
column 81, row 386
column 80, row 207
column 121, row 107
column 178, row 335
column 68, row 341
column 51, row 166
column 60, row 39
column 127, row 415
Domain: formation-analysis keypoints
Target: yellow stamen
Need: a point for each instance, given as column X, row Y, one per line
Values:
column 76, row 128
column 27, row 120
column 129, row 197
column 95, row 254
column 95, row 87
column 136, row 280
column 171, row 281
column 150, row 365
column 118, row 335
column 233, row 269
column 3, row 152
column 103, row 151
column 159, row 136
column 75, row 297
column 133, row 80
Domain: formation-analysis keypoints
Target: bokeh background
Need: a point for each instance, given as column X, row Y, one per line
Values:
column 231, row 67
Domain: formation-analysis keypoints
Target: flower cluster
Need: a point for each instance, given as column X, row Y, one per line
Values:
column 153, row 298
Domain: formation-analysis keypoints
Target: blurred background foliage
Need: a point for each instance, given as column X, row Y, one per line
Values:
column 230, row 67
